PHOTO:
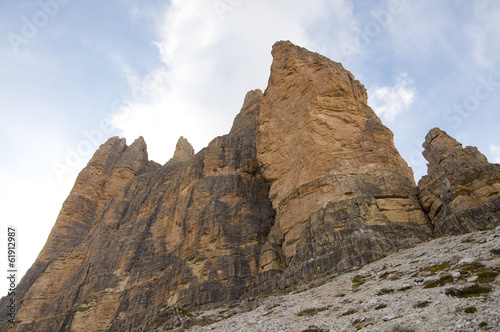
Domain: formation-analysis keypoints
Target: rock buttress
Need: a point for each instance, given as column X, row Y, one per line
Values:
column 147, row 240
column 461, row 191
column 342, row 193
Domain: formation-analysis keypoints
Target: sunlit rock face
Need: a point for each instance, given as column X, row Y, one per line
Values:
column 342, row 193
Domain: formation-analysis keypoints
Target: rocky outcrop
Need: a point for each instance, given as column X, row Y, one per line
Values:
column 307, row 183
column 183, row 151
column 342, row 193
column 58, row 268
column 135, row 241
column 461, row 192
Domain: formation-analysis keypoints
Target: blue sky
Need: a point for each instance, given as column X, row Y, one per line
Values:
column 73, row 73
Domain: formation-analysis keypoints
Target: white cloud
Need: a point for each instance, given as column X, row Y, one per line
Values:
column 486, row 50
column 210, row 59
column 495, row 151
column 388, row 102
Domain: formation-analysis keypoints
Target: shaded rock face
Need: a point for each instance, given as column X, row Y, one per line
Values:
column 342, row 193
column 136, row 240
column 461, row 192
column 308, row 181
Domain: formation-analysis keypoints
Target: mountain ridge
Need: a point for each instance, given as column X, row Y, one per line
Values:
column 307, row 182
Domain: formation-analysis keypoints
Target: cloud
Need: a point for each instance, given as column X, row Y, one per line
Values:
column 486, row 50
column 210, row 57
column 495, row 151
column 388, row 102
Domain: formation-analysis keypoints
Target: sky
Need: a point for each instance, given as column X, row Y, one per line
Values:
column 74, row 73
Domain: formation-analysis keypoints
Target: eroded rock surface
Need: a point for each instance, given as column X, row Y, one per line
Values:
column 307, row 183
column 136, row 241
column 461, row 192
column 342, row 193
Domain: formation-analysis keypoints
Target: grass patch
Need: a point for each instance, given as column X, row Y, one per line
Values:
column 185, row 313
column 495, row 251
column 484, row 274
column 357, row 281
column 444, row 280
column 487, row 275
column 472, row 291
column 394, row 275
column 483, row 324
column 470, row 310
column 471, row 267
column 311, row 311
column 433, row 269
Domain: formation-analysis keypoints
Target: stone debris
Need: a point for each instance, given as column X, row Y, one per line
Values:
column 349, row 305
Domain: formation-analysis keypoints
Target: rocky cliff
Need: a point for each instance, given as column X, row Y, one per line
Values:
column 343, row 195
column 307, row 183
column 461, row 192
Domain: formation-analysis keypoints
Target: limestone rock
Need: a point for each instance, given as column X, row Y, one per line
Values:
column 183, row 151
column 307, row 182
column 342, row 193
column 135, row 241
column 461, row 191
column 385, row 295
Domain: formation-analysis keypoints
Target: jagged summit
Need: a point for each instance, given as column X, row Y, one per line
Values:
column 183, row 151
column 461, row 192
column 307, row 182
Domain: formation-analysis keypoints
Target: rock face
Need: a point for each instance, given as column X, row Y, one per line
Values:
column 342, row 193
column 132, row 245
column 307, row 182
column 461, row 192
column 183, row 151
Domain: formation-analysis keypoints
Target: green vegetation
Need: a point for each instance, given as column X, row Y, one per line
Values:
column 394, row 275
column 357, row 281
column 433, row 269
column 487, row 275
column 472, row 291
column 444, row 280
column 471, row 267
column 185, row 313
column 311, row 311
column 483, row 324
column 470, row 310
column 495, row 251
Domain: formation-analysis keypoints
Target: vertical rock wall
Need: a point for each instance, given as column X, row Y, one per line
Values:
column 342, row 193
column 461, row 191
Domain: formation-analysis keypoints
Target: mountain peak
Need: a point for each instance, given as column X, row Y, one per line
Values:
column 308, row 183
column 183, row 151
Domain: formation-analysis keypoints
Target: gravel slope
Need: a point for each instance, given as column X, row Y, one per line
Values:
column 445, row 284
